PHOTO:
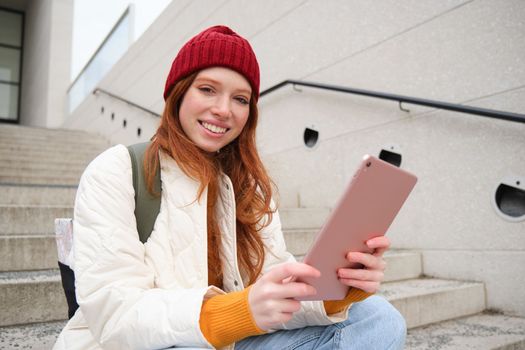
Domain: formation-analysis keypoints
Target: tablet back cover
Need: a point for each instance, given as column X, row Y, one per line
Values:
column 367, row 208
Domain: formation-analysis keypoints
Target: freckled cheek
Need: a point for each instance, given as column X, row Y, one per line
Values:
column 192, row 106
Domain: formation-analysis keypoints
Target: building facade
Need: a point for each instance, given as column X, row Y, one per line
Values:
column 466, row 214
column 35, row 56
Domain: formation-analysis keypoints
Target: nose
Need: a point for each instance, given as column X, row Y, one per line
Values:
column 221, row 108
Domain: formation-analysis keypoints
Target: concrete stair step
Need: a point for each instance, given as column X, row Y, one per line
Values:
column 421, row 301
column 425, row 301
column 25, row 171
column 298, row 241
column 51, row 144
column 35, row 336
column 59, row 144
column 46, row 160
column 66, row 147
column 37, row 195
column 31, row 220
column 9, row 158
column 51, row 135
column 38, row 180
column 87, row 139
column 70, row 152
column 485, row 331
column 303, row 218
column 402, row 265
column 28, row 252
column 44, row 163
column 31, row 296
column 33, row 252
column 27, row 131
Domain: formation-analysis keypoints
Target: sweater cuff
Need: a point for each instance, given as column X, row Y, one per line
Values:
column 227, row 318
column 354, row 295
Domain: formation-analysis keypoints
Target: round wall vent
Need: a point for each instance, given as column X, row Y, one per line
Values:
column 509, row 198
column 310, row 137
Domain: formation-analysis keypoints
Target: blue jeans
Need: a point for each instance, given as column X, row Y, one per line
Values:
column 372, row 324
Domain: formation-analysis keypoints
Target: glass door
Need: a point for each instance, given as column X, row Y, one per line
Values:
column 11, row 42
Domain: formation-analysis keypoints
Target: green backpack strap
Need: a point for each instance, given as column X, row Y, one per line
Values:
column 147, row 207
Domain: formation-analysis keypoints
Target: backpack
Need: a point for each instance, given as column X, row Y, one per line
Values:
column 147, row 208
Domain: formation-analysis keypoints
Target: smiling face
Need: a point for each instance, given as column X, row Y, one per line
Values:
column 215, row 108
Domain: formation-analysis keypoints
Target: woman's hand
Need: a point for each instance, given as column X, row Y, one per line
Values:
column 369, row 277
column 271, row 297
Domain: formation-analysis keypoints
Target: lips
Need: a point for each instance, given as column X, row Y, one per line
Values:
column 213, row 128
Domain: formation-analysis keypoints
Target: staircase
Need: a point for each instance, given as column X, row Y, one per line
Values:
column 39, row 171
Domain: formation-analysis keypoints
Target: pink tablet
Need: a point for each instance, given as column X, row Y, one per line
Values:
column 367, row 208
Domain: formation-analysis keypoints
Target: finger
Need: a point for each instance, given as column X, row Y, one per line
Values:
column 289, row 279
column 367, row 286
column 361, row 274
column 379, row 252
column 369, row 261
column 276, row 306
column 283, row 271
column 289, row 306
column 289, row 291
column 378, row 244
column 275, row 318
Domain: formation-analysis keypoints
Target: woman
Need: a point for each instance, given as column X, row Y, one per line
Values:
column 215, row 271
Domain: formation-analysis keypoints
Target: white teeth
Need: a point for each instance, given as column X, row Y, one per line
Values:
column 214, row 128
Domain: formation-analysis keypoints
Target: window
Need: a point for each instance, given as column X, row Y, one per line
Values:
column 11, row 42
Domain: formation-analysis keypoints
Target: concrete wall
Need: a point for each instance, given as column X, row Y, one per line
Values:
column 117, row 121
column 469, row 52
column 35, row 63
column 60, row 58
column 46, row 62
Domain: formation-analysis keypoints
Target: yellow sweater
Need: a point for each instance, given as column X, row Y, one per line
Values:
column 225, row 319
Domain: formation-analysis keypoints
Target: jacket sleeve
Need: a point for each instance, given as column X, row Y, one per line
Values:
column 312, row 313
column 114, row 286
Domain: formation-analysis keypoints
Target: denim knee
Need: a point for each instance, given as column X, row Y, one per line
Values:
column 393, row 324
column 375, row 324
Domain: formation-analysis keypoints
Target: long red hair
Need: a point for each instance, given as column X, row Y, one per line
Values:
column 239, row 160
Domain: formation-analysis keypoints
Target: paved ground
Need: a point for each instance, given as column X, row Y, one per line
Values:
column 481, row 332
column 40, row 336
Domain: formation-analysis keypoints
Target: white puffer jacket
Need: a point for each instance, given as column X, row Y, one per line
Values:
column 149, row 296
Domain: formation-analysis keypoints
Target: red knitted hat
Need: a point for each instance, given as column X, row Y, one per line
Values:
column 215, row 46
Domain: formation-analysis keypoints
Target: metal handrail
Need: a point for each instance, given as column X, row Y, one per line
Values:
column 97, row 90
column 515, row 117
column 491, row 113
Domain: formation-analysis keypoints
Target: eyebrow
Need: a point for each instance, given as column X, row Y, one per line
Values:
column 204, row 79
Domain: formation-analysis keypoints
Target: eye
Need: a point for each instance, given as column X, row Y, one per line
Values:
column 242, row 100
column 206, row 89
